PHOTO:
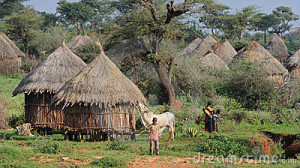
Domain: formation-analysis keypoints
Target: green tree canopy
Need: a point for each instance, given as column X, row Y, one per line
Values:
column 284, row 16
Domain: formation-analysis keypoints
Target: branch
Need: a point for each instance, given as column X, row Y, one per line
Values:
column 151, row 7
column 174, row 13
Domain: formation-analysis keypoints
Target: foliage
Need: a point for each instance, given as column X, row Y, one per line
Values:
column 222, row 146
column 16, row 120
column 117, row 145
column 109, row 162
column 47, row 146
column 192, row 132
column 283, row 15
column 8, row 7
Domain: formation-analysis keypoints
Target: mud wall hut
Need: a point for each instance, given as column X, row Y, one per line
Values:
column 10, row 55
column 205, row 46
column 256, row 52
column 225, row 51
column 99, row 101
column 40, row 85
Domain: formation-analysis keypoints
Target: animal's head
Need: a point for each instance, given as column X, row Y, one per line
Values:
column 143, row 108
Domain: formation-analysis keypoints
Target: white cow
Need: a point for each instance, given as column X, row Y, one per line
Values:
column 164, row 120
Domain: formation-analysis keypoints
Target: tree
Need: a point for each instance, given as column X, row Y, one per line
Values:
column 75, row 13
column 23, row 26
column 264, row 22
column 151, row 24
column 211, row 12
column 236, row 24
column 8, row 7
column 284, row 16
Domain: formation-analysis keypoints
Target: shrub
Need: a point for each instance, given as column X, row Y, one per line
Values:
column 47, row 146
column 109, row 162
column 16, row 120
column 117, row 145
column 192, row 132
column 222, row 146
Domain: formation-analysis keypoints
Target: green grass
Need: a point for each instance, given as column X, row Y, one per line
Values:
column 14, row 105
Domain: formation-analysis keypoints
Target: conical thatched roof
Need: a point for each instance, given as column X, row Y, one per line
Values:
column 8, row 49
column 100, row 83
column 204, row 46
column 293, row 61
column 213, row 61
column 256, row 52
column 225, row 51
column 278, row 49
column 191, row 47
column 52, row 73
column 77, row 43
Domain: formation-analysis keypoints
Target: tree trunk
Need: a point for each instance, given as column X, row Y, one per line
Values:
column 83, row 31
column 25, row 42
column 240, row 35
column 166, row 82
column 265, row 38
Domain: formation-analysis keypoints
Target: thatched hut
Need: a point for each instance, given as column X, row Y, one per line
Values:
column 76, row 44
column 213, row 61
column 256, row 52
column 43, row 82
column 191, row 47
column 293, row 65
column 225, row 51
column 10, row 54
column 204, row 46
column 278, row 49
column 100, row 100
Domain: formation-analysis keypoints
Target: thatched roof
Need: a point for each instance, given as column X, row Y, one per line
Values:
column 100, row 83
column 191, row 47
column 256, row 52
column 77, row 43
column 213, row 61
column 278, row 49
column 225, row 51
column 204, row 46
column 8, row 49
column 293, row 61
column 52, row 73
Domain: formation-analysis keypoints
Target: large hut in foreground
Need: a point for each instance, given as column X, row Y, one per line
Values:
column 42, row 83
column 204, row 46
column 191, row 47
column 99, row 101
column 10, row 54
column 225, row 51
column 293, row 65
column 211, row 60
column 256, row 52
column 278, row 49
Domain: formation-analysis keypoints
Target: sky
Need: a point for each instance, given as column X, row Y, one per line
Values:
column 265, row 6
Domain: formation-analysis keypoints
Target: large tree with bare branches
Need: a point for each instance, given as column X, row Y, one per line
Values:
column 151, row 23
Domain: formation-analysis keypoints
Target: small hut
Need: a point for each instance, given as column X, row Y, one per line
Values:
column 225, row 51
column 77, row 43
column 256, row 52
column 213, row 61
column 278, row 49
column 42, row 83
column 204, row 46
column 293, row 65
column 10, row 54
column 191, row 47
column 99, row 101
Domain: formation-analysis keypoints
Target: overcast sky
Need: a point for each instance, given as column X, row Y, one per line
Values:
column 266, row 6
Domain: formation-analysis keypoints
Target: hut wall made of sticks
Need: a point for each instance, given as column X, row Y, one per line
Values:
column 41, row 113
column 120, row 118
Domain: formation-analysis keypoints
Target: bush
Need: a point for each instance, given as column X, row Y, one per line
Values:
column 222, row 146
column 46, row 146
column 109, row 162
column 117, row 145
column 16, row 120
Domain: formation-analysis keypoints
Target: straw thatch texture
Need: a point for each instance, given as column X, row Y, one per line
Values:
column 293, row 64
column 213, row 61
column 204, row 46
column 255, row 52
column 225, row 51
column 191, row 47
column 52, row 73
column 77, row 43
column 100, row 83
column 278, row 49
column 8, row 49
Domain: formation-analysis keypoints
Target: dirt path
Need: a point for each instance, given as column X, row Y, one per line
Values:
column 161, row 162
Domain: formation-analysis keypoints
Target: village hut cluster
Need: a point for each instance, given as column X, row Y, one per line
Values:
column 274, row 60
column 97, row 101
